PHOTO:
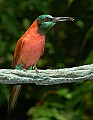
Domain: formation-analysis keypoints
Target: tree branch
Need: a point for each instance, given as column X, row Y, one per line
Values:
column 47, row 77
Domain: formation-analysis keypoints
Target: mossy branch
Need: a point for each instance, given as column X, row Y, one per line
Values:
column 47, row 77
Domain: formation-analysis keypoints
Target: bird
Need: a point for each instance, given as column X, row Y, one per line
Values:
column 29, row 49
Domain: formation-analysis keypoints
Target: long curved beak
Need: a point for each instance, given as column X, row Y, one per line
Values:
column 60, row 19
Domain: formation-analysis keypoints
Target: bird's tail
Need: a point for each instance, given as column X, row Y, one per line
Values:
column 13, row 100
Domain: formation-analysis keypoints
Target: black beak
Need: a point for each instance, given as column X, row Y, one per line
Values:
column 60, row 19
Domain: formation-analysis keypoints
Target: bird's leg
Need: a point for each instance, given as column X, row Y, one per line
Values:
column 34, row 68
column 21, row 67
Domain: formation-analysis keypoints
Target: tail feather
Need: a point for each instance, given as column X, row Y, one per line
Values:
column 13, row 100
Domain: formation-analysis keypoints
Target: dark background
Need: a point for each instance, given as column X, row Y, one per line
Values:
column 68, row 44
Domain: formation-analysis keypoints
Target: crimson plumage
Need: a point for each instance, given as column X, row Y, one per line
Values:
column 29, row 47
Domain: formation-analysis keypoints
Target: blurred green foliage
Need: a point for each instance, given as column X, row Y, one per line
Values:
column 67, row 44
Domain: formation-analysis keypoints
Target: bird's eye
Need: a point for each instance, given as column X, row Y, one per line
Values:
column 46, row 18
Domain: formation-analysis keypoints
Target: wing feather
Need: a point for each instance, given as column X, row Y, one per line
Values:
column 17, row 51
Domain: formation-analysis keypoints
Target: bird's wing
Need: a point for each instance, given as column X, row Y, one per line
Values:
column 17, row 51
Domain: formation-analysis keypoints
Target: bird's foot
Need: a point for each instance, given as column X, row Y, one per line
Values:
column 25, row 70
column 35, row 68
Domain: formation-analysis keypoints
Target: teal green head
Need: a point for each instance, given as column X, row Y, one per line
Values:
column 46, row 22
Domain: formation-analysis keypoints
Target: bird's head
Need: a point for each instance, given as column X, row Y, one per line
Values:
column 46, row 22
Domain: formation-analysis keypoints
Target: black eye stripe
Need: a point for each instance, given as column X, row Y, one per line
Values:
column 47, row 19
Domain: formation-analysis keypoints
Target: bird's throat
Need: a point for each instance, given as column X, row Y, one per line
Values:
column 43, row 28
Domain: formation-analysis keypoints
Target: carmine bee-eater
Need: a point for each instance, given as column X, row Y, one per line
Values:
column 29, row 48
